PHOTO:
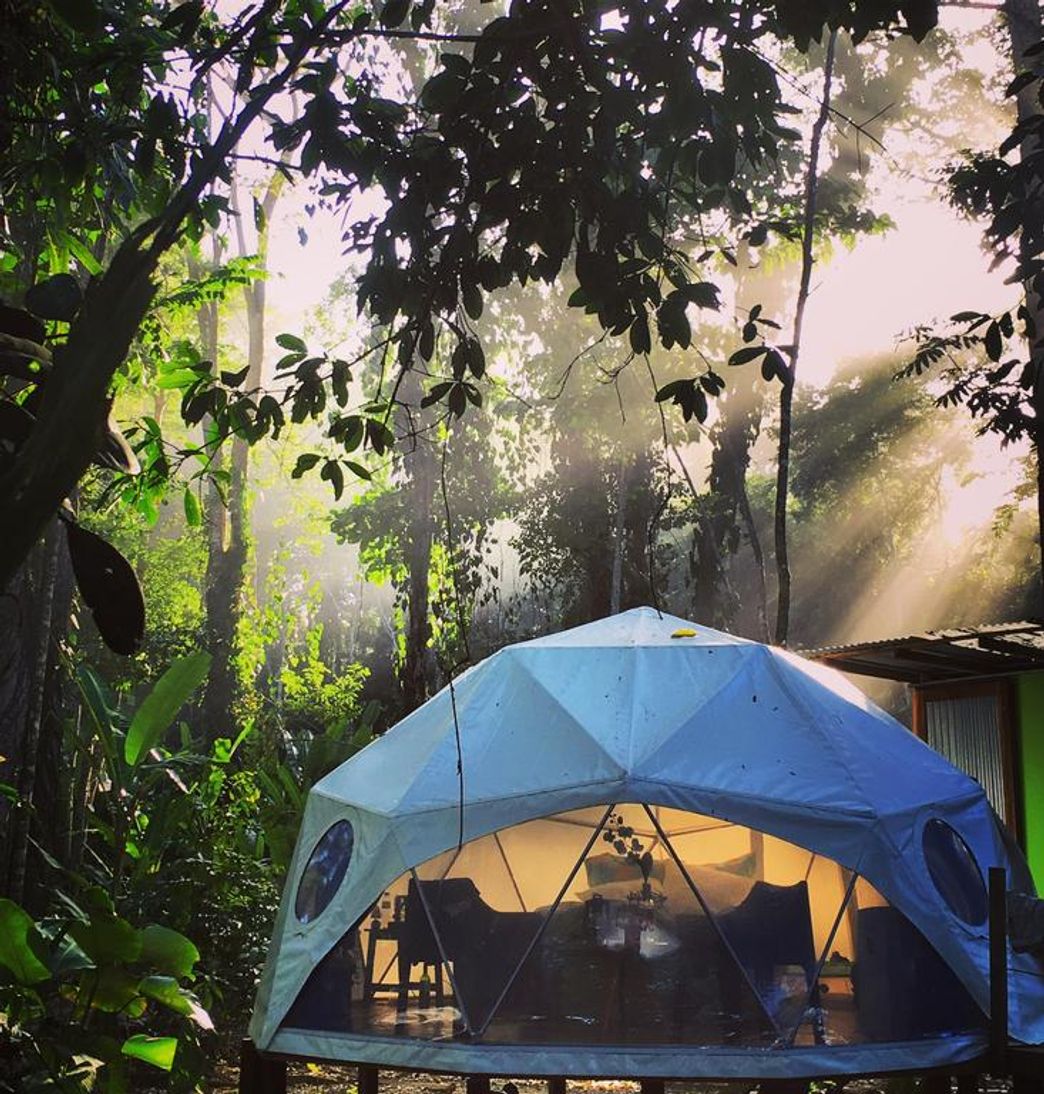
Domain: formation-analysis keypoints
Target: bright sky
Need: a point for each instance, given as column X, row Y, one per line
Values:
column 865, row 300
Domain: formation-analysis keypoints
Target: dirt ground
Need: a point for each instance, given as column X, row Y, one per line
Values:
column 322, row 1078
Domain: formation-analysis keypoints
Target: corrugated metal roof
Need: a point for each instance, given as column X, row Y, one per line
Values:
column 937, row 656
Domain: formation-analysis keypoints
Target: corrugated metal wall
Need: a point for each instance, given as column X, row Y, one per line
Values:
column 967, row 732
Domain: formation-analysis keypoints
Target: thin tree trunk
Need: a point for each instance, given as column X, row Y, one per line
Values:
column 19, row 849
column 619, row 515
column 786, row 397
column 1025, row 29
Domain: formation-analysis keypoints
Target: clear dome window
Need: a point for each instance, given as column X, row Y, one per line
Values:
column 954, row 872
column 325, row 871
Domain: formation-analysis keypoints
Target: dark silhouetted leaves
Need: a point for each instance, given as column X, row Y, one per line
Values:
column 746, row 354
column 394, row 12
column 758, row 235
column 21, row 324
column 305, row 462
column 689, row 395
column 115, row 453
column 472, row 297
column 109, row 588
column 333, row 474
column 673, row 323
column 292, row 343
column 58, row 297
column 993, row 342
column 641, row 342
column 81, row 15
column 774, row 367
column 234, row 379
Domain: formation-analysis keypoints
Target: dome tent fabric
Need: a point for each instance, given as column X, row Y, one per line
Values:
column 591, row 727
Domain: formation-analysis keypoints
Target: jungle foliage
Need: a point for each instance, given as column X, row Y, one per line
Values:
column 520, row 409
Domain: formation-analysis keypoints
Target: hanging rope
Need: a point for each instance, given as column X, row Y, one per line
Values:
column 462, row 630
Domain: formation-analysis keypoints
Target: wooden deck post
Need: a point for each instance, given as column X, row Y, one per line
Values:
column 968, row 1083
column 998, row 971
column 652, row 1086
column 369, row 1079
column 475, row 1084
column 935, row 1082
column 556, row 1085
column 260, row 1074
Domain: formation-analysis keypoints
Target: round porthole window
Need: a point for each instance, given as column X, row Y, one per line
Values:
column 955, row 872
column 325, row 871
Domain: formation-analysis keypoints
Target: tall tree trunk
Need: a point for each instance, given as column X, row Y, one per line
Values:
column 726, row 515
column 28, row 750
column 786, row 397
column 215, row 516
column 16, row 629
column 51, row 814
column 228, row 518
column 1025, row 29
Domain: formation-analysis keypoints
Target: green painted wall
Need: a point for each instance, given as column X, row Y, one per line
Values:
column 1030, row 704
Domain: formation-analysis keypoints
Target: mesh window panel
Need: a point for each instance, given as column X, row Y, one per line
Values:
column 883, row 981
column 630, row 957
column 325, row 1001
column 774, row 903
column 487, row 903
column 586, row 928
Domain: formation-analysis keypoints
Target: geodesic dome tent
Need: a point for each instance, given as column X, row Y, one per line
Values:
column 664, row 851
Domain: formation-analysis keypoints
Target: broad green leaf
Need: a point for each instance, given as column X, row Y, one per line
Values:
column 93, row 692
column 108, row 939
column 177, row 378
column 114, row 990
column 16, row 954
column 82, row 254
column 166, row 990
column 69, row 958
column 193, row 512
column 159, row 708
column 168, row 951
column 158, row 1051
